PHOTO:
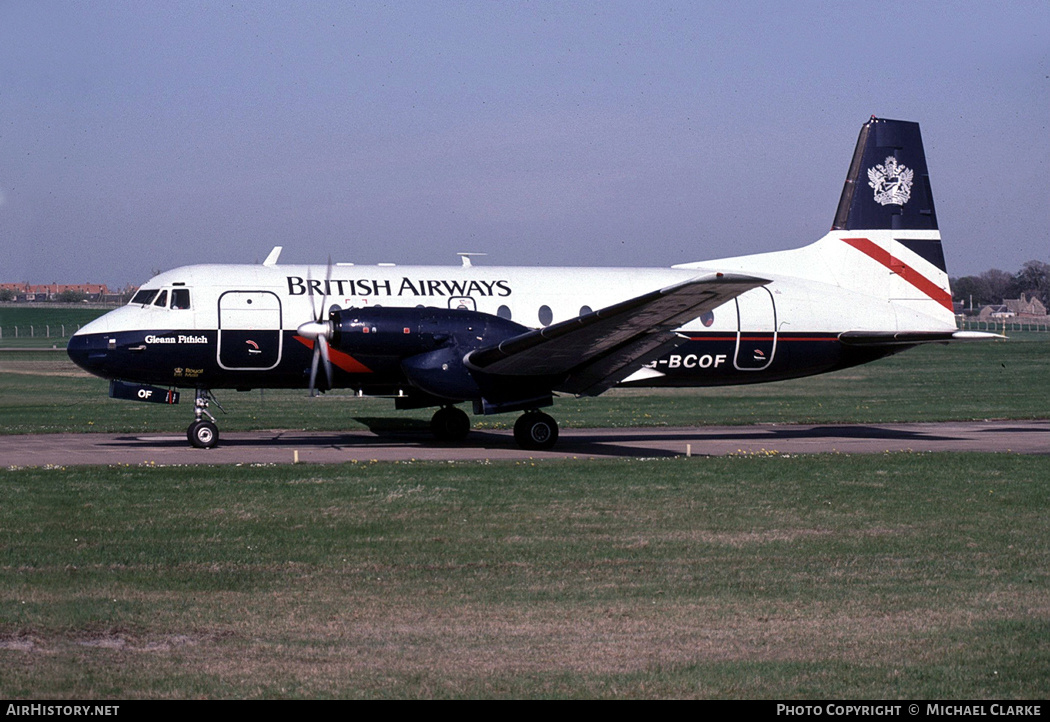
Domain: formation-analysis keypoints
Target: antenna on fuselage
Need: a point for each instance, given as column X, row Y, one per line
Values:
column 465, row 257
column 271, row 260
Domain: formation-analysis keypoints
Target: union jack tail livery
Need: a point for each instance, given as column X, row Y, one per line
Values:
column 886, row 213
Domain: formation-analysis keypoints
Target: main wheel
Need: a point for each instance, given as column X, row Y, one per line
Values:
column 203, row 434
column 450, row 424
column 536, row 430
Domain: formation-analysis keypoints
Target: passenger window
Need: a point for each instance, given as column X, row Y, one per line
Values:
column 180, row 298
column 162, row 299
column 584, row 310
column 145, row 296
column 546, row 315
column 503, row 312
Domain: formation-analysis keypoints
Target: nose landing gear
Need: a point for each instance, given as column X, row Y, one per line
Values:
column 203, row 434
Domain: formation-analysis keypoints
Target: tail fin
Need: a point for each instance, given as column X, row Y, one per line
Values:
column 886, row 216
column 887, row 220
column 894, row 190
column 888, row 189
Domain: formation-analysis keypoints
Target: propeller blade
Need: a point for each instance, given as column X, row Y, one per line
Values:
column 327, row 288
column 319, row 331
column 322, row 345
column 313, row 370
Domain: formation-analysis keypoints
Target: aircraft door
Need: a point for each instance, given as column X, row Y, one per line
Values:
column 756, row 338
column 250, row 336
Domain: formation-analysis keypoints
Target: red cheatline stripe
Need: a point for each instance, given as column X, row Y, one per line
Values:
column 902, row 269
column 339, row 359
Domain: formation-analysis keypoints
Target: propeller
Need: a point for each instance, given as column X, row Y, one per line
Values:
column 319, row 332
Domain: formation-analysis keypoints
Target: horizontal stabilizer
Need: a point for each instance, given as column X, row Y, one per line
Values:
column 595, row 351
column 912, row 338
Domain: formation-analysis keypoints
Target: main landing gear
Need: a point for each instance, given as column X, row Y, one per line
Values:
column 534, row 430
column 450, row 424
column 203, row 434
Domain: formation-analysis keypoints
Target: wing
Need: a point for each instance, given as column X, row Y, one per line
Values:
column 595, row 351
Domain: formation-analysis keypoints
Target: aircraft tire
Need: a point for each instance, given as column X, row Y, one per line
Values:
column 450, row 424
column 203, row 434
column 536, row 431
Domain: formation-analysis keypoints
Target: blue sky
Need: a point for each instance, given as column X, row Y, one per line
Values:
column 146, row 135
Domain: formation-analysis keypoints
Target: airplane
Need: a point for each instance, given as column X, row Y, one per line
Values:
column 509, row 339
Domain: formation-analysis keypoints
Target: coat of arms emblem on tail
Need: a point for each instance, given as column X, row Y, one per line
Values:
column 891, row 181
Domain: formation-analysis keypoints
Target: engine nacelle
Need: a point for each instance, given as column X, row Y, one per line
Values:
column 441, row 373
column 429, row 344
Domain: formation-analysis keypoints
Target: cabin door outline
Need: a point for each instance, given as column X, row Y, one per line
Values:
column 756, row 335
column 250, row 337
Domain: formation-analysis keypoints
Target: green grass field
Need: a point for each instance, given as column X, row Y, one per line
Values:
column 821, row 577
column 916, row 576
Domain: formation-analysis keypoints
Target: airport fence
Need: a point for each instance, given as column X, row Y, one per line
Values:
column 1004, row 325
column 38, row 331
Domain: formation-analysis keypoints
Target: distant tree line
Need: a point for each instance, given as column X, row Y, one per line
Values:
column 992, row 286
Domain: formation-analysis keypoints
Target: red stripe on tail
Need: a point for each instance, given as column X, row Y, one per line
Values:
column 902, row 269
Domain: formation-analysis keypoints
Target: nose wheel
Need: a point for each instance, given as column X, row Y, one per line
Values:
column 203, row 434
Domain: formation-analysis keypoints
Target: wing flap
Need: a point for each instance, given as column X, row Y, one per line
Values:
column 594, row 351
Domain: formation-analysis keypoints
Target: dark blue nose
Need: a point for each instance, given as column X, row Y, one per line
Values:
column 91, row 352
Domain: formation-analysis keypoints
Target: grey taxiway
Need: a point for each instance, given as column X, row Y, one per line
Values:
column 282, row 447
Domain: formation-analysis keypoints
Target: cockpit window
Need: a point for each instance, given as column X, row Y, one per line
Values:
column 180, row 298
column 145, row 296
column 162, row 299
